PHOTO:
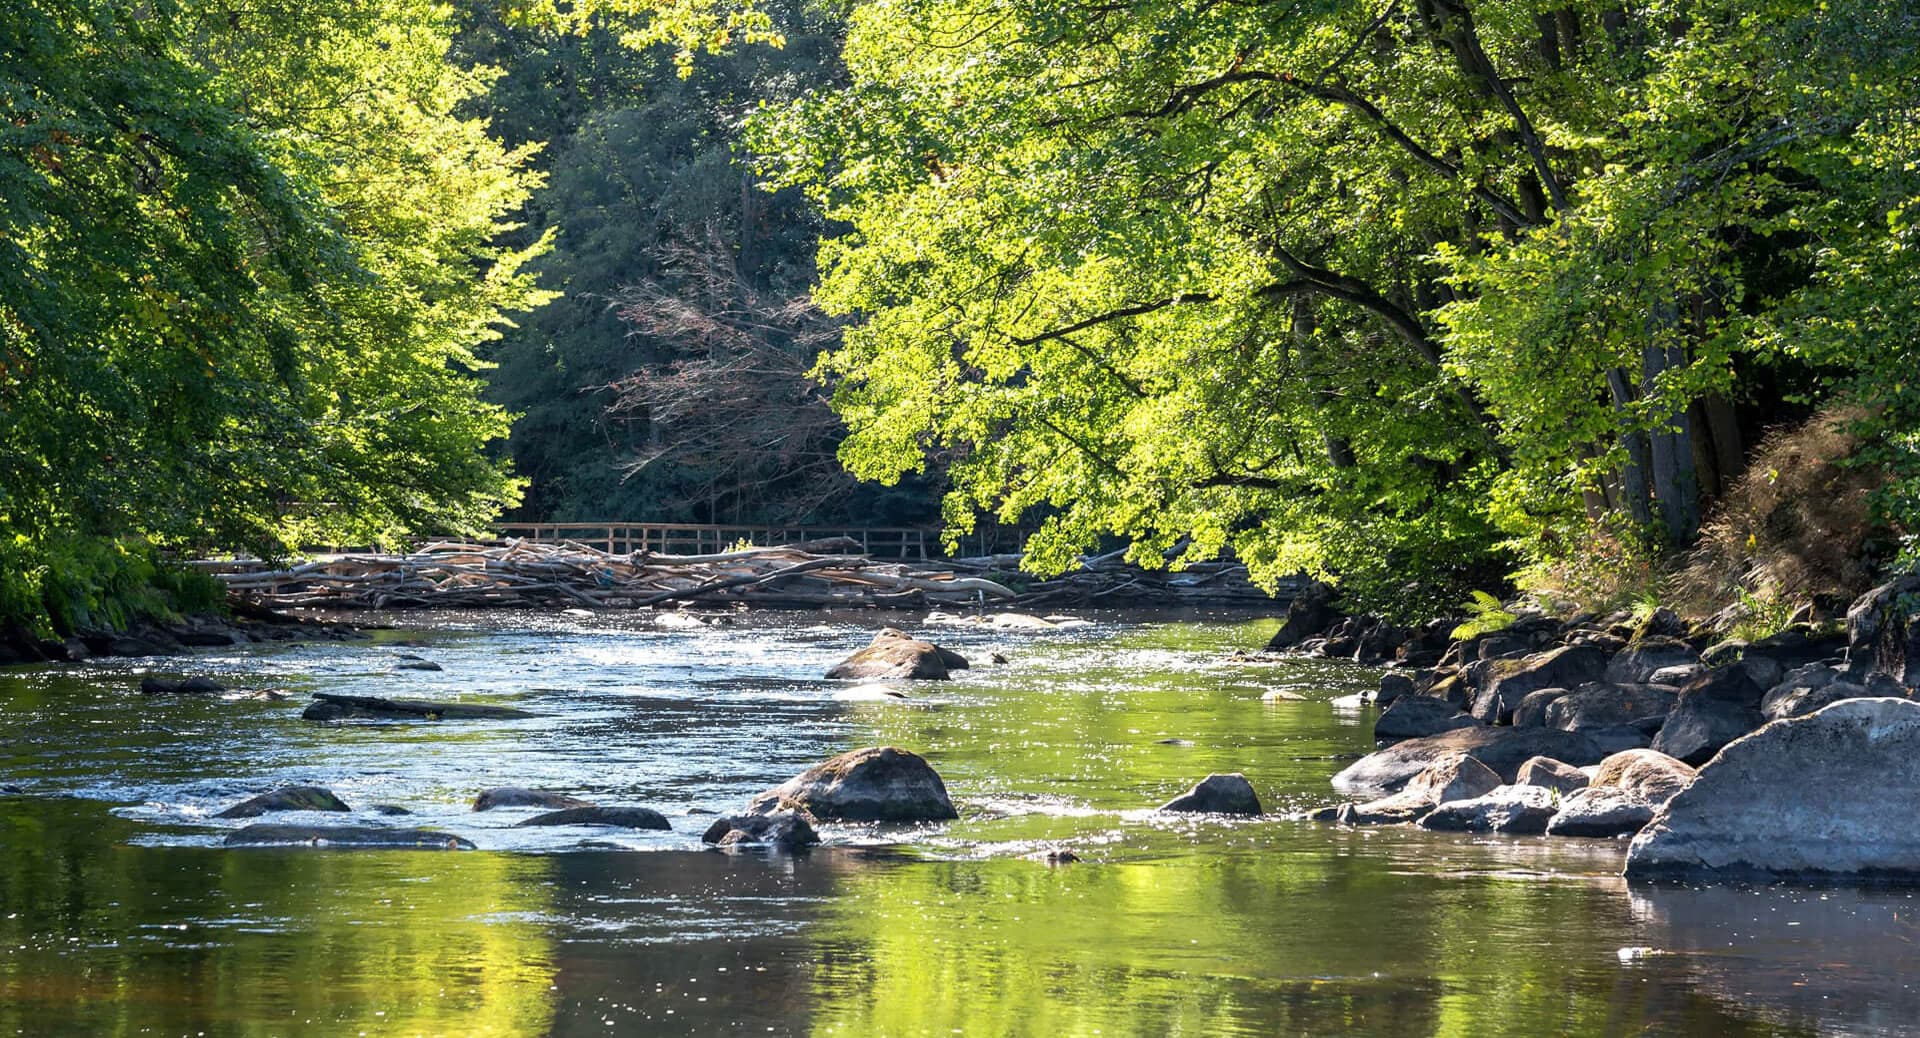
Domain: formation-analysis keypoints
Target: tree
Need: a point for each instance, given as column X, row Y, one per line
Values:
column 1393, row 292
column 247, row 257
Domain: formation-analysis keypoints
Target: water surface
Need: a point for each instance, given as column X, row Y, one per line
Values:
column 120, row 914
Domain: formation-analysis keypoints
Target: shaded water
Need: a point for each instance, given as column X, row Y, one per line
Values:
column 119, row 914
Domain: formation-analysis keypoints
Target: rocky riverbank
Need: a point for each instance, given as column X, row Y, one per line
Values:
column 170, row 637
column 1798, row 753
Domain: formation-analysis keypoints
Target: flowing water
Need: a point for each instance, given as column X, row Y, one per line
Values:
column 121, row 914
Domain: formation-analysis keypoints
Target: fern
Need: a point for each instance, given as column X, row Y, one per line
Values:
column 1485, row 616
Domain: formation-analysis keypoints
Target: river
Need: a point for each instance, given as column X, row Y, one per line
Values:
column 120, row 914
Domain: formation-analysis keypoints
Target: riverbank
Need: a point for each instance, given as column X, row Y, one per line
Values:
column 1594, row 726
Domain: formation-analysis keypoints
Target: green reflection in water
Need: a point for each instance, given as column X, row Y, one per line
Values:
column 110, row 939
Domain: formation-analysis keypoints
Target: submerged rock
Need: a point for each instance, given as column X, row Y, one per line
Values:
column 194, row 686
column 1221, row 793
column 1829, row 793
column 876, row 784
column 328, row 706
column 1521, row 810
column 287, row 798
column 892, row 656
column 515, row 796
column 620, row 817
column 1502, row 750
column 418, row 665
column 1056, row 857
column 788, row 829
column 344, row 836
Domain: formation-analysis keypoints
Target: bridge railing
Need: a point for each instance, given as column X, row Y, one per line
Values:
column 884, row 542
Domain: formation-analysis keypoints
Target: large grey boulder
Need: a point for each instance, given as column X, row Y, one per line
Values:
column 1606, row 811
column 1411, row 717
column 1641, row 660
column 1883, row 631
column 1393, row 685
column 1458, row 777
column 787, row 830
column 1720, row 706
column 1225, row 794
column 1505, row 683
column 1519, row 810
column 1532, row 711
column 325, row 836
column 1604, row 704
column 1548, row 773
column 893, row 656
column 876, row 784
column 286, row 798
column 1829, row 793
column 1649, row 774
column 1502, row 750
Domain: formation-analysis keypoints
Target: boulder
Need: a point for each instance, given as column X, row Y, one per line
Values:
column 1883, row 631
column 262, row 835
column 1519, row 810
column 1605, row 705
column 328, row 706
column 286, row 798
column 1019, row 622
column 1828, row 793
column 195, row 686
column 1613, row 738
column 876, row 784
column 1532, row 711
column 1649, row 774
column 1508, row 682
column 1501, row 749
column 1548, row 773
column 1310, row 613
column 1411, row 717
column 1223, row 794
column 788, row 830
column 1605, row 811
column 428, row 665
column 893, row 656
column 1640, row 660
column 1718, row 707
column 1677, row 676
column 1458, row 777
column 1788, row 700
column 515, row 796
column 620, row 817
column 1393, row 685
column 1798, row 646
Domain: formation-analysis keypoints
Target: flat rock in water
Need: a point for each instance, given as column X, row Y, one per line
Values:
column 344, row 836
column 1502, row 750
column 892, row 656
column 1606, row 811
column 328, row 706
column 1520, row 810
column 1831, row 793
column 288, row 798
column 876, row 784
column 789, row 829
column 418, row 665
column 516, row 796
column 1226, row 794
column 621, row 817
column 195, row 686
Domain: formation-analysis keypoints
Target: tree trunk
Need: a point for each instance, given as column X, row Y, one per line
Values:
column 1676, row 485
column 1633, row 475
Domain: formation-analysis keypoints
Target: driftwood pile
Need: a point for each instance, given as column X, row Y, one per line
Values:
column 528, row 573
column 831, row 573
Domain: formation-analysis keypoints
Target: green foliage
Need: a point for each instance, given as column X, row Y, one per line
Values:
column 1336, row 285
column 245, row 258
column 1485, row 616
column 1759, row 615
